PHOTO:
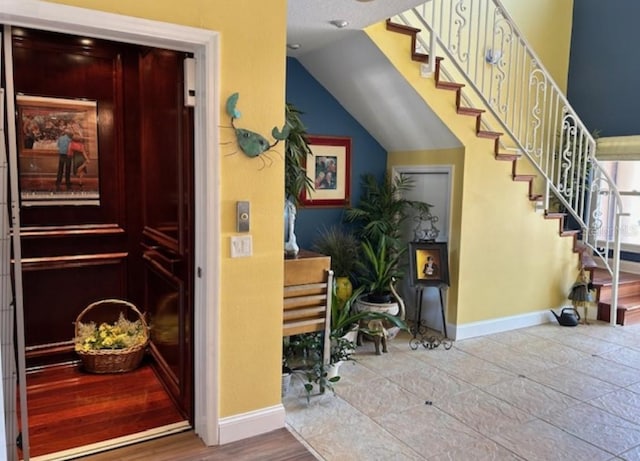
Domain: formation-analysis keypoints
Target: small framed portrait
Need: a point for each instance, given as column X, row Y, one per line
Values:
column 429, row 263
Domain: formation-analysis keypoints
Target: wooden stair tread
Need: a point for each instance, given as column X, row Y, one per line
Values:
column 489, row 134
column 450, row 85
column 507, row 157
column 628, row 311
column 420, row 57
column 587, row 261
column 524, row 177
column 470, row 111
column 626, row 302
column 401, row 28
column 601, row 277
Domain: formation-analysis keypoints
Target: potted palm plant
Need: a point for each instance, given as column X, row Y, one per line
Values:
column 296, row 180
column 380, row 214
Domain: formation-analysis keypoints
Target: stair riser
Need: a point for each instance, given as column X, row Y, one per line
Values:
column 624, row 317
column 624, row 289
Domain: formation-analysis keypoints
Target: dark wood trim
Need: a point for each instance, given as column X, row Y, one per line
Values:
column 161, row 238
column 68, row 231
column 67, row 262
column 39, row 351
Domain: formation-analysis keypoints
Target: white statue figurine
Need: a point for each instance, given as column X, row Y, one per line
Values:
column 291, row 247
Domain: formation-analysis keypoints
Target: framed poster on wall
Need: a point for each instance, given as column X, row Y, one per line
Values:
column 57, row 151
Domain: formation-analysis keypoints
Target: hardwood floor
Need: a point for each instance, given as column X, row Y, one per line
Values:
column 69, row 408
column 279, row 445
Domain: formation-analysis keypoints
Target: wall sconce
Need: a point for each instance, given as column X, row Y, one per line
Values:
column 493, row 56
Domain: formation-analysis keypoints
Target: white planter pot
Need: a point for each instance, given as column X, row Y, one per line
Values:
column 352, row 334
column 286, row 383
column 392, row 308
column 365, row 306
column 333, row 369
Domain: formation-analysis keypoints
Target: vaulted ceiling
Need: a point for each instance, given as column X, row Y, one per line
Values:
column 352, row 68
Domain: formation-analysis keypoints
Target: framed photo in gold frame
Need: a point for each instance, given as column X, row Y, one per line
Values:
column 429, row 263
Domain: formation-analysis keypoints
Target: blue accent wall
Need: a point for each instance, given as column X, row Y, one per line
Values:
column 323, row 115
column 603, row 84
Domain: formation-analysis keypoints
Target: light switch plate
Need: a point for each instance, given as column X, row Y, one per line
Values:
column 241, row 246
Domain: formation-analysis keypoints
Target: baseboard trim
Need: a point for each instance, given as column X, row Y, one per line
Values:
column 249, row 424
column 499, row 325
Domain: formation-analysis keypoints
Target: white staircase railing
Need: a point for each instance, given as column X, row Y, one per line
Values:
column 482, row 45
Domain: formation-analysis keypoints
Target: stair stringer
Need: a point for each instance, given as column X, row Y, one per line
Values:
column 510, row 261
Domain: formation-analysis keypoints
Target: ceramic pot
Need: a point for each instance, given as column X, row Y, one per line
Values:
column 286, row 381
column 333, row 369
column 396, row 307
column 361, row 305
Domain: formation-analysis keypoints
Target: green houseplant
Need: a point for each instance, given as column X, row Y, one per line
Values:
column 296, row 180
column 345, row 319
column 344, row 249
column 304, row 351
column 380, row 214
column 296, row 150
column 378, row 269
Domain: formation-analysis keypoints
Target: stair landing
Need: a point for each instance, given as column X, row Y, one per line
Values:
column 628, row 312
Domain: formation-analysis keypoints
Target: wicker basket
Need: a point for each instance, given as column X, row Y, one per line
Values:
column 112, row 360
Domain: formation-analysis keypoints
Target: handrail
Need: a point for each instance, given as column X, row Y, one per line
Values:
column 486, row 49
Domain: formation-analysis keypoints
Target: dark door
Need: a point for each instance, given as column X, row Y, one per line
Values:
column 167, row 217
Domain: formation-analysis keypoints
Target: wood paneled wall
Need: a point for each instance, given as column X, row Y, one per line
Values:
column 74, row 255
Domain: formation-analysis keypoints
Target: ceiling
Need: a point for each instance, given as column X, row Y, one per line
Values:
column 354, row 70
column 309, row 21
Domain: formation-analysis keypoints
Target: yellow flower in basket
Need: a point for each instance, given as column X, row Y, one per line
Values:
column 116, row 347
column 121, row 335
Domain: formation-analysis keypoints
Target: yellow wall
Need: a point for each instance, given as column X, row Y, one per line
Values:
column 454, row 157
column 546, row 25
column 512, row 260
column 250, row 302
column 253, row 39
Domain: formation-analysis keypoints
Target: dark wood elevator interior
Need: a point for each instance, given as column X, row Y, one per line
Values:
column 133, row 242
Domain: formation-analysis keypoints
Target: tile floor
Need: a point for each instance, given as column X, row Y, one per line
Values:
column 540, row 393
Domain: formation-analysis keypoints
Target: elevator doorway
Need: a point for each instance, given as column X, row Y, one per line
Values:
column 134, row 239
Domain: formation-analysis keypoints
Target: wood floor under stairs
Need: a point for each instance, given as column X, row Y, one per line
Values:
column 628, row 312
